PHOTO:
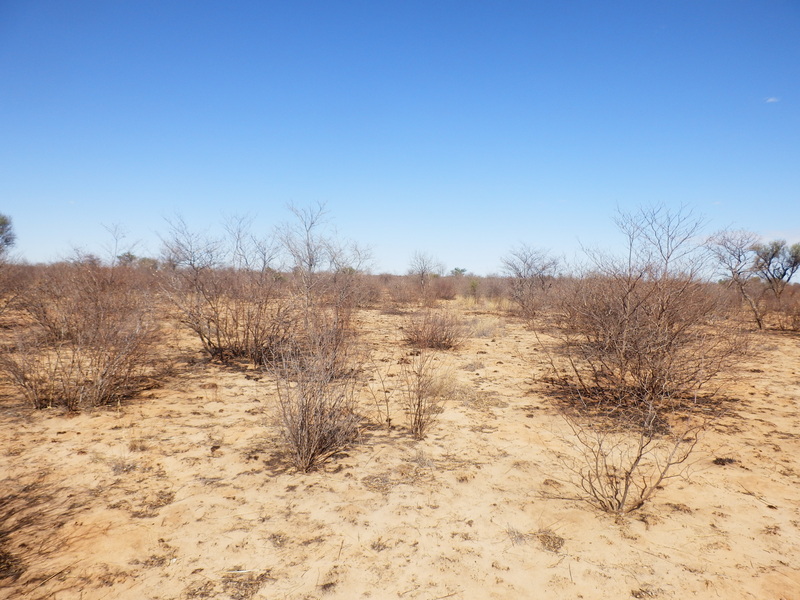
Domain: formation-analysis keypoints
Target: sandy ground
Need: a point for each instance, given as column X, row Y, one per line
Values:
column 183, row 493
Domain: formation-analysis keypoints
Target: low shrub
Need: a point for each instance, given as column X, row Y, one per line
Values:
column 316, row 402
column 88, row 341
column 425, row 389
column 618, row 466
column 436, row 330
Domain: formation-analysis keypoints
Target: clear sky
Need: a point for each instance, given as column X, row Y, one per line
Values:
column 457, row 128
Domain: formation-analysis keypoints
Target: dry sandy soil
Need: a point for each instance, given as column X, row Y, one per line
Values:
column 183, row 492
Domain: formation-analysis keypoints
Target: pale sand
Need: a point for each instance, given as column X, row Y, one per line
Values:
column 482, row 508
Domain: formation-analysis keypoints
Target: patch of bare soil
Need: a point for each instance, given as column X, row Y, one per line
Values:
column 185, row 492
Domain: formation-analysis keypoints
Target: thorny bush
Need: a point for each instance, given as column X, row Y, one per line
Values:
column 89, row 339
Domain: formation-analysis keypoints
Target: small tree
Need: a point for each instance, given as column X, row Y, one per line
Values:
column 531, row 272
column 11, row 276
column 423, row 269
column 735, row 256
column 7, row 236
column 776, row 263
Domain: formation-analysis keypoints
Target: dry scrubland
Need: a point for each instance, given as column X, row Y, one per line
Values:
column 217, row 428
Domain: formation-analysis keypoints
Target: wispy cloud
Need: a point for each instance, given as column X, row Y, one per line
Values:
column 772, row 99
column 790, row 235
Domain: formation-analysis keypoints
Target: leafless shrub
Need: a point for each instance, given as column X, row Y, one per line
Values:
column 91, row 338
column 444, row 288
column 397, row 291
column 372, row 292
column 227, row 291
column 323, row 291
column 792, row 306
column 317, row 404
column 494, row 288
column 641, row 337
column 14, row 281
column 423, row 270
column 325, row 272
column 316, row 374
column 632, row 341
column 334, row 344
column 531, row 272
column 437, row 330
column 647, row 330
column 619, row 465
column 279, row 334
column 77, row 375
column 426, row 388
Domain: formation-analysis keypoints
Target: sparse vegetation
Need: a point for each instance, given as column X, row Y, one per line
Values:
column 285, row 344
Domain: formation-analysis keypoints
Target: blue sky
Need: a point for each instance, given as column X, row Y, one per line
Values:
column 456, row 128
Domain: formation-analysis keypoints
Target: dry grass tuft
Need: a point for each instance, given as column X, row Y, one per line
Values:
column 549, row 540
